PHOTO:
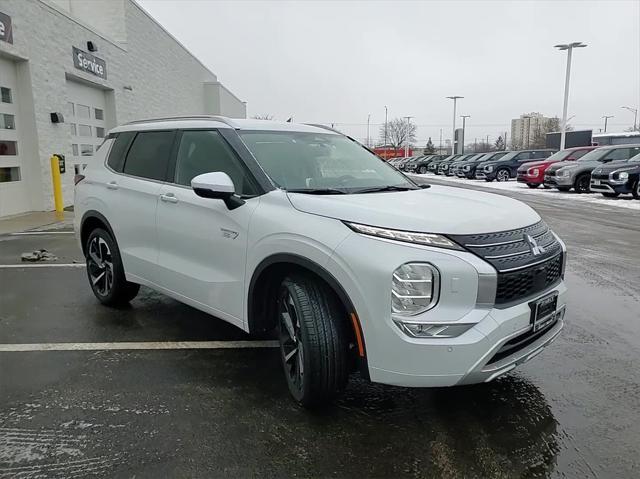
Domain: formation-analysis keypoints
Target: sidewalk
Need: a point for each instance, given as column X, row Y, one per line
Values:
column 36, row 220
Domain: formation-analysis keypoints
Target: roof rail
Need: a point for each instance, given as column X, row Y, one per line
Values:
column 221, row 119
column 325, row 127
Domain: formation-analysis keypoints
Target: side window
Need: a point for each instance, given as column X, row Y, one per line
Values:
column 542, row 154
column 149, row 155
column 524, row 156
column 617, row 154
column 205, row 151
column 577, row 154
column 118, row 150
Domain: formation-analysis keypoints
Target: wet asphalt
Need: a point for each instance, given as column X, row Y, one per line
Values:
column 574, row 411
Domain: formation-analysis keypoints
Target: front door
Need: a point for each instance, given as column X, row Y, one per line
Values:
column 201, row 243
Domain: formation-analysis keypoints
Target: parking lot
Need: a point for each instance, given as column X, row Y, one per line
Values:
column 190, row 395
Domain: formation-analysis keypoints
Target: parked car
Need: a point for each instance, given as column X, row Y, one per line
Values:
column 456, row 165
column 577, row 174
column 439, row 170
column 617, row 178
column 506, row 167
column 433, row 166
column 468, row 170
column 422, row 164
column 411, row 165
column 532, row 173
column 270, row 225
column 444, row 167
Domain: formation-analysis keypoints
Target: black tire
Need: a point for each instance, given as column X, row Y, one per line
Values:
column 422, row 170
column 583, row 183
column 635, row 190
column 610, row 195
column 563, row 188
column 314, row 344
column 533, row 186
column 503, row 174
column 105, row 270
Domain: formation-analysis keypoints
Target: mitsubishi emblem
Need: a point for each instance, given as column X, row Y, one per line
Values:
column 535, row 248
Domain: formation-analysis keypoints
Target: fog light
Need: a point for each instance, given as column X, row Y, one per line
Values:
column 431, row 330
column 414, row 288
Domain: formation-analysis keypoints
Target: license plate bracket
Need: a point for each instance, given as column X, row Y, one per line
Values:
column 544, row 312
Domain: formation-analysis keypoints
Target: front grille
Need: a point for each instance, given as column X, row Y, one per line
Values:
column 599, row 176
column 528, row 260
column 518, row 343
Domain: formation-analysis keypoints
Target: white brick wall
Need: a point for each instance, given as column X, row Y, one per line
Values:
column 165, row 79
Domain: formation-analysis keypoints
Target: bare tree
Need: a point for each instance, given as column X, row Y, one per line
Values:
column 265, row 116
column 539, row 139
column 399, row 132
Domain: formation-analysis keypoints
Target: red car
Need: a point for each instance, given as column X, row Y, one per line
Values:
column 532, row 173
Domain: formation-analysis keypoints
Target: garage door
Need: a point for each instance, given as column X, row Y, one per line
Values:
column 13, row 190
column 85, row 117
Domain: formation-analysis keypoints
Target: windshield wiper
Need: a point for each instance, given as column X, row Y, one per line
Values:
column 377, row 189
column 317, row 191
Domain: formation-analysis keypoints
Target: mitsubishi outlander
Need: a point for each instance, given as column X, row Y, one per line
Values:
column 301, row 230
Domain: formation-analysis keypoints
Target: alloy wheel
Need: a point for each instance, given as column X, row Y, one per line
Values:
column 100, row 265
column 291, row 346
column 503, row 175
column 583, row 184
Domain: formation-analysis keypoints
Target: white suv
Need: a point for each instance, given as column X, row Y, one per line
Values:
column 299, row 228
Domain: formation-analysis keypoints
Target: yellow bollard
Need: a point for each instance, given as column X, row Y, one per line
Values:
column 57, row 186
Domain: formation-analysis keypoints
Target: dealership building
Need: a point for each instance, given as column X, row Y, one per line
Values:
column 72, row 69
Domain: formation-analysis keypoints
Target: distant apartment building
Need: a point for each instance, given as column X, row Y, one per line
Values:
column 525, row 129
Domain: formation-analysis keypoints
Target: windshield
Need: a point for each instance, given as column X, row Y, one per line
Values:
column 320, row 161
column 560, row 155
column 594, row 155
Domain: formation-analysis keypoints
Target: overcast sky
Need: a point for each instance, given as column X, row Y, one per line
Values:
column 337, row 62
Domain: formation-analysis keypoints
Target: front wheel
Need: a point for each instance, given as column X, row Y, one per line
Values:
column 583, row 183
column 635, row 190
column 105, row 270
column 422, row 170
column 503, row 175
column 313, row 340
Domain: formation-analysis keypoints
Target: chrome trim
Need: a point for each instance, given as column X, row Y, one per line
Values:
column 530, row 264
column 506, row 242
column 221, row 119
column 517, row 254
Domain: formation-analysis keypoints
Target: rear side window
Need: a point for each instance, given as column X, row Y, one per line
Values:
column 119, row 150
column 149, row 155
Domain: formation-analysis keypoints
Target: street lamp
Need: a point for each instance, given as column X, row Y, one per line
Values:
column 406, row 144
column 569, row 47
column 464, row 121
column 606, row 117
column 453, row 133
column 635, row 115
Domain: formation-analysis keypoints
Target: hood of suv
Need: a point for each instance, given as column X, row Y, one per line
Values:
column 617, row 166
column 439, row 209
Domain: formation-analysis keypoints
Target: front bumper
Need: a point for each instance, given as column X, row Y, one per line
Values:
column 393, row 357
column 486, row 175
column 555, row 181
column 530, row 180
column 607, row 186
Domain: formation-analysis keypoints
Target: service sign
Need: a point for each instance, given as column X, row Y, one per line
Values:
column 6, row 31
column 89, row 63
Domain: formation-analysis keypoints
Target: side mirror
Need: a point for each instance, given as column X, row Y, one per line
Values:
column 217, row 185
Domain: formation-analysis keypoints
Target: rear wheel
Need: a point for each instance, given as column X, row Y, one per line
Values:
column 583, row 183
column 533, row 185
column 105, row 270
column 503, row 175
column 313, row 339
column 611, row 195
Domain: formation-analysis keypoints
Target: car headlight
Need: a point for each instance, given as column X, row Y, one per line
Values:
column 564, row 172
column 426, row 239
column 533, row 172
column 488, row 168
column 620, row 176
column 466, row 167
column 414, row 288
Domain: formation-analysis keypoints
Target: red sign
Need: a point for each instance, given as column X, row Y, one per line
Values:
column 388, row 153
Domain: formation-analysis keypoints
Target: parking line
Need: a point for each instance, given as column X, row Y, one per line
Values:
column 139, row 346
column 43, row 265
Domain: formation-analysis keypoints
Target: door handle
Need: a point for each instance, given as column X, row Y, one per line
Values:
column 168, row 198
column 112, row 185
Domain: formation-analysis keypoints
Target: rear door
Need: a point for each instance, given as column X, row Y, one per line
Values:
column 132, row 196
column 202, row 244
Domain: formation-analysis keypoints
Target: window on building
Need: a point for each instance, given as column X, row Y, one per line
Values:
column 5, row 94
column 7, row 122
column 98, row 113
column 99, row 132
column 83, row 111
column 9, row 173
column 84, row 130
column 72, row 129
column 204, row 152
column 86, row 150
column 8, row 147
column 70, row 110
column 74, row 149
column 149, row 155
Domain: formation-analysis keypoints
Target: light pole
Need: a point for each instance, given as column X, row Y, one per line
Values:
column 635, row 115
column 464, row 123
column 406, row 144
column 453, row 133
column 569, row 47
column 386, row 111
column 606, row 117
column 368, row 123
